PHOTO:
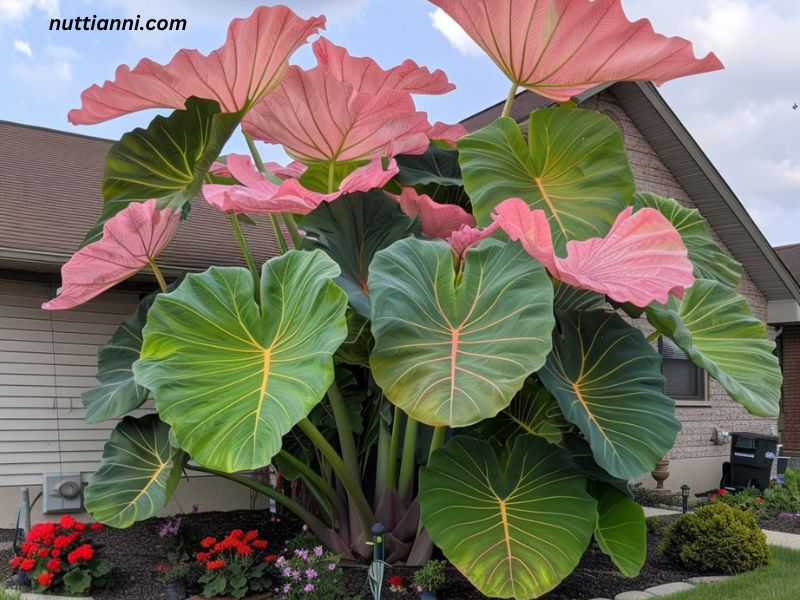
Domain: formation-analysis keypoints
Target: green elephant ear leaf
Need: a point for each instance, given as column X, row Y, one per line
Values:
column 232, row 378
column 168, row 160
column 574, row 167
column 620, row 532
column 138, row 473
column 351, row 231
column 581, row 454
column 714, row 326
column 710, row 262
column 607, row 380
column 515, row 527
column 435, row 173
column 118, row 393
column 533, row 410
column 453, row 349
column 567, row 298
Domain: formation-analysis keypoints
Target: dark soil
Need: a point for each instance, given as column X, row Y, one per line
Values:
column 134, row 553
column 784, row 525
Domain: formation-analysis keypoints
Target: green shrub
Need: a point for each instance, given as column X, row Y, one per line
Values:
column 717, row 538
column 431, row 577
column 750, row 499
column 655, row 525
column 784, row 497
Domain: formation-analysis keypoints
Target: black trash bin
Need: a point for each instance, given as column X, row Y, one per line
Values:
column 752, row 455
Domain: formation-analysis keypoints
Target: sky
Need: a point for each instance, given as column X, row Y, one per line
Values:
column 742, row 117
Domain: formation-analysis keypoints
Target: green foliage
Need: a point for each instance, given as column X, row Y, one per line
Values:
column 784, row 497
column 620, row 530
column 9, row 594
column 235, row 566
column 656, row 526
column 305, row 570
column 581, row 182
column 717, row 539
column 431, row 577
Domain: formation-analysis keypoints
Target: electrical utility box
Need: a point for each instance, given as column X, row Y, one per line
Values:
column 62, row 493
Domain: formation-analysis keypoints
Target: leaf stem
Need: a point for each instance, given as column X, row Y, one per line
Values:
column 408, row 463
column 304, row 514
column 351, row 484
column 437, row 441
column 509, row 101
column 331, row 177
column 159, row 275
column 248, row 258
column 344, row 429
column 394, row 448
column 294, row 232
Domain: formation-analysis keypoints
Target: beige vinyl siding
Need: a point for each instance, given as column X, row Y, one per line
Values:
column 47, row 359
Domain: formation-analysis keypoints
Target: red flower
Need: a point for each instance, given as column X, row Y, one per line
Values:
column 251, row 535
column 82, row 552
column 55, row 553
column 243, row 549
column 27, row 564
column 396, row 581
column 160, row 567
column 15, row 562
column 67, row 522
column 270, row 558
column 723, row 492
column 215, row 565
column 208, row 542
column 29, row 548
column 236, row 534
column 45, row 579
column 97, row 527
column 43, row 553
column 54, row 565
column 260, row 544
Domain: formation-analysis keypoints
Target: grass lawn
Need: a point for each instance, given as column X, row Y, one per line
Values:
column 8, row 594
column 778, row 581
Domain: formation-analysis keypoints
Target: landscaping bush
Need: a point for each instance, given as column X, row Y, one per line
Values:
column 717, row 538
column 59, row 557
column 750, row 499
column 785, row 497
column 655, row 525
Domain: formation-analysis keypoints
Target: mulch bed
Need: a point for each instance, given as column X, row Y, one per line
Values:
column 134, row 553
column 784, row 525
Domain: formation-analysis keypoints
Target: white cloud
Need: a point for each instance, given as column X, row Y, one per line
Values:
column 23, row 47
column 457, row 37
column 16, row 10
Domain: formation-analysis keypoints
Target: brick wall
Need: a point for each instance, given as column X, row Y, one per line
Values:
column 790, row 356
column 694, row 441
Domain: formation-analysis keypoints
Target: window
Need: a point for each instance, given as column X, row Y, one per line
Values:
column 685, row 380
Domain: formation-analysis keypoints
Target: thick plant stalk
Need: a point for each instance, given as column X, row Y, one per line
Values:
column 248, row 257
column 394, row 448
column 351, row 484
column 509, row 101
column 437, row 441
column 162, row 283
column 294, row 232
column 344, row 429
column 408, row 464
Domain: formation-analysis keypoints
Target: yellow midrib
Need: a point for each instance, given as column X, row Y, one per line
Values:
column 549, row 203
column 262, row 392
column 507, row 534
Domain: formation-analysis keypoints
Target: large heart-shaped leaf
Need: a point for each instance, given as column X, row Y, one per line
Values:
column 232, row 378
column 607, row 379
column 581, row 454
column 436, row 173
column 533, row 410
column 168, row 160
column 118, row 392
column 453, row 348
column 710, row 262
column 351, row 230
column 620, row 531
column 714, row 326
column 574, row 167
column 516, row 526
column 138, row 473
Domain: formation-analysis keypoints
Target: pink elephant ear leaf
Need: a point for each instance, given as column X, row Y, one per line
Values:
column 436, row 220
column 467, row 236
column 131, row 238
column 529, row 227
column 370, row 176
column 246, row 68
column 447, row 133
column 367, row 76
column 642, row 259
column 317, row 117
column 561, row 48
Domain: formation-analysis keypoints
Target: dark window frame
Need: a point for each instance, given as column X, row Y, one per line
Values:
column 698, row 389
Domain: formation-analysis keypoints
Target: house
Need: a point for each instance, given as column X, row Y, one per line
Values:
column 790, row 359
column 49, row 198
column 48, row 358
column 666, row 160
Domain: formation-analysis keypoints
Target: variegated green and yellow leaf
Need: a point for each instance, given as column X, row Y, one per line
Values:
column 232, row 378
column 573, row 166
column 607, row 379
column 137, row 475
column 515, row 526
column 533, row 410
column 714, row 326
column 453, row 348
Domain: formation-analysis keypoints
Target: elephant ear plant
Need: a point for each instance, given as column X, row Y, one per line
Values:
column 443, row 345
